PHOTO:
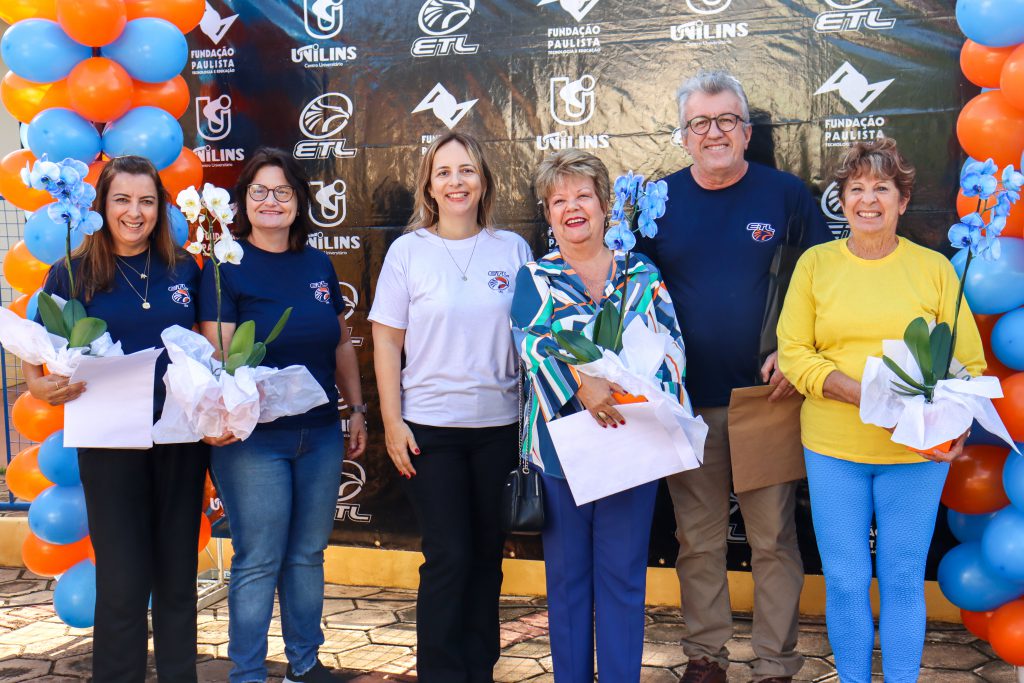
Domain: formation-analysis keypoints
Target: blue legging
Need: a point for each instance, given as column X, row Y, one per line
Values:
column 904, row 500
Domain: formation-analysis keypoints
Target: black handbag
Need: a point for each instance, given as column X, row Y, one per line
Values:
column 522, row 498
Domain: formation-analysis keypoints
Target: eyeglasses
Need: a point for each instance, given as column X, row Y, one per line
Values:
column 282, row 193
column 702, row 124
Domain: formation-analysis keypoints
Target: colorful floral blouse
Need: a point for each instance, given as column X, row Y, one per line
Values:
column 551, row 297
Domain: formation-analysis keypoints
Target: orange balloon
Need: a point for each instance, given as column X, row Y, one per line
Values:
column 1011, row 78
column 93, row 176
column 186, row 170
column 976, row 622
column 1014, row 222
column 974, row 485
column 20, row 305
column 205, row 532
column 993, row 368
column 1011, row 406
column 171, row 96
column 981, row 64
column 92, row 22
column 24, row 272
column 990, row 127
column 36, row 419
column 1006, row 632
column 185, row 14
column 24, row 99
column 50, row 559
column 11, row 187
column 16, row 10
column 100, row 89
column 23, row 476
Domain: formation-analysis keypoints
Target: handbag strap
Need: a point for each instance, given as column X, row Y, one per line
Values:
column 779, row 274
column 524, row 462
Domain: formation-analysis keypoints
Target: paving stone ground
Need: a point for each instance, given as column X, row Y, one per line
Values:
column 371, row 635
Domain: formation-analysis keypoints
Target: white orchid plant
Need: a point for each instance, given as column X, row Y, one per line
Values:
column 210, row 214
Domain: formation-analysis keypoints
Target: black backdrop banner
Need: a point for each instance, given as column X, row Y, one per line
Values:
column 356, row 90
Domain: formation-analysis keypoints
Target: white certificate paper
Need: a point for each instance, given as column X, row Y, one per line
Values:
column 600, row 461
column 116, row 408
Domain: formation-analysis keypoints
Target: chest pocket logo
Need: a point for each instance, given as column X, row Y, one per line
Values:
column 180, row 294
column 761, row 232
column 320, row 291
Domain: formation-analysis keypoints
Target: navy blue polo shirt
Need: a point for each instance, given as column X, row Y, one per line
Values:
column 260, row 288
column 171, row 296
column 714, row 249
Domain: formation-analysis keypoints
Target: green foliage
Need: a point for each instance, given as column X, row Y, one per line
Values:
column 931, row 351
column 577, row 346
column 86, row 331
column 245, row 350
column 72, row 323
column 51, row 316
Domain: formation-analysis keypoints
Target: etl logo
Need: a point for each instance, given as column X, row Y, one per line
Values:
column 851, row 16
column 440, row 19
column 322, row 120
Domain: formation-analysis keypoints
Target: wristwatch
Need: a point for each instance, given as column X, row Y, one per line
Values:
column 360, row 408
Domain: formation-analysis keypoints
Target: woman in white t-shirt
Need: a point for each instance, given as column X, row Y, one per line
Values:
column 450, row 413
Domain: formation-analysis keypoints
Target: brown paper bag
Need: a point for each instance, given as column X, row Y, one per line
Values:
column 764, row 439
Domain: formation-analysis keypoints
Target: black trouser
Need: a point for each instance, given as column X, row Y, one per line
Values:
column 144, row 508
column 460, row 473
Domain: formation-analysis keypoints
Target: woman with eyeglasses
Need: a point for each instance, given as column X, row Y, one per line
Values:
column 280, row 486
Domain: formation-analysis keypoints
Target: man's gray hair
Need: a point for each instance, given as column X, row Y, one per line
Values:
column 711, row 83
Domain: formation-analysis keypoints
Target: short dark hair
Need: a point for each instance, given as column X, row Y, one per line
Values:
column 881, row 158
column 299, row 231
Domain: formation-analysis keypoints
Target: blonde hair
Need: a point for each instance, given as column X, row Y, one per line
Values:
column 425, row 212
column 566, row 163
column 880, row 158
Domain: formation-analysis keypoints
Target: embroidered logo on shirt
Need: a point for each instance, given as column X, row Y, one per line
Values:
column 500, row 281
column 180, row 295
column 320, row 291
column 761, row 232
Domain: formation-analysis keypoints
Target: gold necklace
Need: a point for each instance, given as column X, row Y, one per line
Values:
column 142, row 276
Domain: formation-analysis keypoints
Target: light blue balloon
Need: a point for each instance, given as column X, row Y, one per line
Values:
column 1002, row 544
column 1013, row 478
column 1008, row 339
column 967, row 528
column 994, row 286
column 46, row 239
column 57, row 515
column 178, row 225
column 146, row 131
column 33, row 307
column 61, row 133
column 57, row 463
column 74, row 598
column 150, row 50
column 38, row 50
column 970, row 584
column 993, row 23
column 23, row 135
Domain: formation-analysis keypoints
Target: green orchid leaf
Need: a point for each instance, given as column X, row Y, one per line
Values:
column 941, row 341
column 50, row 314
column 86, row 331
column 243, row 338
column 259, row 352
column 916, row 338
column 904, row 390
column 584, row 350
column 281, row 322
column 606, row 326
column 72, row 313
column 235, row 361
column 891, row 364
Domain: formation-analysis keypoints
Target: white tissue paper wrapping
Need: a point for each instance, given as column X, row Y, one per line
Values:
column 956, row 403
column 200, row 403
column 29, row 341
column 635, row 370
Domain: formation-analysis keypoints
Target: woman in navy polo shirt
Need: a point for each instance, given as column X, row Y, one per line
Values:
column 143, row 505
column 280, row 486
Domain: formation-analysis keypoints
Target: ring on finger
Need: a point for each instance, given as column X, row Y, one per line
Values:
column 603, row 415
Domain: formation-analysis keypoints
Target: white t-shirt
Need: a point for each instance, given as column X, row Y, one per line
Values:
column 460, row 364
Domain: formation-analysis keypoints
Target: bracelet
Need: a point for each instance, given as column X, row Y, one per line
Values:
column 359, row 408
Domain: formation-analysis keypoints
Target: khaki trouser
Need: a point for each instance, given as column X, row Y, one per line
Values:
column 701, row 501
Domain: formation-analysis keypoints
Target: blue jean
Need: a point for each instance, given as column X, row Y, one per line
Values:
column 904, row 500
column 279, row 489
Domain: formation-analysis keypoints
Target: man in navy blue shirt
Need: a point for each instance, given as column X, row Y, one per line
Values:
column 726, row 217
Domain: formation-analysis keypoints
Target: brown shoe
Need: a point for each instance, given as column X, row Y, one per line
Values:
column 703, row 671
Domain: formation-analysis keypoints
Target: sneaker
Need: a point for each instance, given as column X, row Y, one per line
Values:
column 318, row 674
column 703, row 671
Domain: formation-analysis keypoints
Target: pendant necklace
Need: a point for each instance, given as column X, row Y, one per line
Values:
column 462, row 271
column 144, row 275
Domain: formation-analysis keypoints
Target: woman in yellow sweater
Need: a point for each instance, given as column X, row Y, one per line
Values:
column 844, row 299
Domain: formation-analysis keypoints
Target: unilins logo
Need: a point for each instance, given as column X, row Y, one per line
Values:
column 180, row 295
column 440, row 19
column 761, row 232
column 500, row 280
column 213, row 123
column 320, row 291
column 323, row 18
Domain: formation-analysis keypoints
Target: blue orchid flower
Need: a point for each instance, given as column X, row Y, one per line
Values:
column 91, row 222
column 978, row 179
column 1003, row 205
column 65, row 212
column 657, row 190
column 618, row 210
column 989, row 248
column 645, row 223
column 1012, row 182
column 620, row 238
column 635, row 185
column 653, row 205
column 967, row 233
column 622, row 186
